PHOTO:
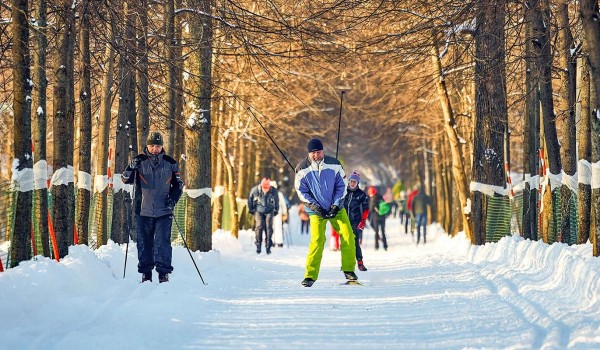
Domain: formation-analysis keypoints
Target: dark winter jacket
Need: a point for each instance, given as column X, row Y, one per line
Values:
column 156, row 182
column 261, row 202
column 356, row 202
column 420, row 203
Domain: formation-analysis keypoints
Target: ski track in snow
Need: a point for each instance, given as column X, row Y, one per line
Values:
column 444, row 295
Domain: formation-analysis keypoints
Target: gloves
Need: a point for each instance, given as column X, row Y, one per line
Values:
column 251, row 212
column 170, row 203
column 136, row 163
column 333, row 211
column 317, row 209
column 361, row 225
column 275, row 213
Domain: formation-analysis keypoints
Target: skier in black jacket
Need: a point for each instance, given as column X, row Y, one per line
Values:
column 158, row 187
column 357, row 206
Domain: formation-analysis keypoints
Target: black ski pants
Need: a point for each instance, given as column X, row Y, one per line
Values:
column 154, row 244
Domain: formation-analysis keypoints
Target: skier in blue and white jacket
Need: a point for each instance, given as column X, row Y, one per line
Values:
column 320, row 184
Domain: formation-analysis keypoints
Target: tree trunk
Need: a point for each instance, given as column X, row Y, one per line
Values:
column 143, row 118
column 584, row 152
column 103, row 143
column 63, row 197
column 539, row 13
column 125, row 130
column 595, row 235
column 198, row 137
column 218, row 181
column 566, row 117
column 457, row 157
column 491, row 114
column 169, row 20
column 84, row 177
column 588, row 10
column 20, row 248
column 39, row 128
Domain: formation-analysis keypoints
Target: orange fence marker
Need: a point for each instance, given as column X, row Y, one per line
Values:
column 53, row 238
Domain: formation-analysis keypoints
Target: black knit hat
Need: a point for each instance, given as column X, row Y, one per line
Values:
column 155, row 138
column 314, row 145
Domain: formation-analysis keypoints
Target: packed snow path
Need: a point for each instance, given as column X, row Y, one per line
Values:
column 443, row 295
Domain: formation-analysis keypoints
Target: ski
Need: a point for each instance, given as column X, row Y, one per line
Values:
column 349, row 283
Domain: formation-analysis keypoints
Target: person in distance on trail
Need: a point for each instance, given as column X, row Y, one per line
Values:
column 357, row 207
column 158, row 187
column 279, row 219
column 419, row 210
column 303, row 218
column 320, row 184
column 377, row 219
column 263, row 203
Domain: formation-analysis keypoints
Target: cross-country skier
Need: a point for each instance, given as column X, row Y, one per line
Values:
column 320, row 184
column 158, row 187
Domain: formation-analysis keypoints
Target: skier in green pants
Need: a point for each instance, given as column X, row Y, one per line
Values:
column 321, row 185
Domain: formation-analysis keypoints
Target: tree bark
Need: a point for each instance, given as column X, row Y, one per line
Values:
column 455, row 148
column 63, row 198
column 102, row 149
column 566, row 115
column 39, row 127
column 198, row 137
column 125, row 130
column 584, row 152
column 85, row 129
column 20, row 248
column 143, row 118
column 491, row 108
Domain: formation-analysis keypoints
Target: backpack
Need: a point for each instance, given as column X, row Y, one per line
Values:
column 384, row 208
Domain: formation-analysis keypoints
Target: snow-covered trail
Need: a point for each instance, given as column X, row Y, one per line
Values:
column 443, row 295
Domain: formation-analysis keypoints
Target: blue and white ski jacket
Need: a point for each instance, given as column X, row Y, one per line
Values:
column 323, row 184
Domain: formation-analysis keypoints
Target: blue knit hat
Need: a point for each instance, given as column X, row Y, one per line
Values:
column 314, row 145
column 354, row 176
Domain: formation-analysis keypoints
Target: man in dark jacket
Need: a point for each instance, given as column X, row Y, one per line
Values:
column 356, row 204
column 419, row 210
column 377, row 219
column 263, row 203
column 158, row 187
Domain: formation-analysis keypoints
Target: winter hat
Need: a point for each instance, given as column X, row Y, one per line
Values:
column 354, row 176
column 273, row 183
column 372, row 191
column 265, row 183
column 155, row 138
column 314, row 145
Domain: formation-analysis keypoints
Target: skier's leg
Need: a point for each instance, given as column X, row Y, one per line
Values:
column 145, row 241
column 342, row 225
column 315, row 248
column 163, row 252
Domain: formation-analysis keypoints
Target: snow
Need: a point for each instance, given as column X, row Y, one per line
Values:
column 447, row 294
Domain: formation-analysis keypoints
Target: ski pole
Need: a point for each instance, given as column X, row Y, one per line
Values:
column 126, row 250
column 270, row 138
column 188, row 249
column 337, row 146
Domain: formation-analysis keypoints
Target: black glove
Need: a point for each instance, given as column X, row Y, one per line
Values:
column 136, row 163
column 275, row 213
column 170, row 203
column 333, row 211
column 317, row 209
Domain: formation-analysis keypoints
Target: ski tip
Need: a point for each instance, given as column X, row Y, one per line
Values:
column 350, row 283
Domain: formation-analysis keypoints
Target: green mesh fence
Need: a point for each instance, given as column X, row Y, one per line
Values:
column 498, row 219
column 242, row 209
column 556, row 218
column 179, row 214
